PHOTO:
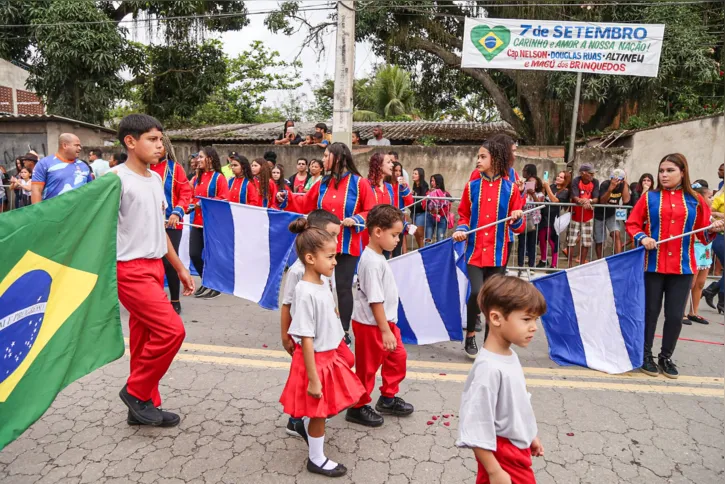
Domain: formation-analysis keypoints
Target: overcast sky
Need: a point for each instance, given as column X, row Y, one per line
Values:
column 288, row 47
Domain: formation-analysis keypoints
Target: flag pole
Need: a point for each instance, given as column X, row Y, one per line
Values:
column 502, row 220
column 684, row 235
column 188, row 225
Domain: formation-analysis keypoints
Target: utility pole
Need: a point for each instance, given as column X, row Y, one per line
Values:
column 574, row 119
column 344, row 73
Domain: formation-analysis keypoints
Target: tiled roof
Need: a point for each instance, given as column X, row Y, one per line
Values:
column 51, row 117
column 394, row 131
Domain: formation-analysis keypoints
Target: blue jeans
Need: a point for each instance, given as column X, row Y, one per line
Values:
column 439, row 227
column 718, row 248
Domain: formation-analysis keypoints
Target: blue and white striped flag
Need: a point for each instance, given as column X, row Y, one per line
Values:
column 595, row 314
column 245, row 250
column 184, row 250
column 432, row 306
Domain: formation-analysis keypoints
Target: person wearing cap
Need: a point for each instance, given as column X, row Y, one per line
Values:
column 584, row 193
column 30, row 159
column 614, row 191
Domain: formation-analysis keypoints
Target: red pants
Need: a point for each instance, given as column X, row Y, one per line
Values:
column 516, row 462
column 370, row 354
column 156, row 331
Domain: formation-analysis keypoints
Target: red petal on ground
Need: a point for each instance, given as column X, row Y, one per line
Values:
column 570, row 434
column 445, row 415
column 447, row 424
column 430, row 422
column 434, row 417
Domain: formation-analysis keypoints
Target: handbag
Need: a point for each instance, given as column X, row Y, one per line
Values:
column 562, row 222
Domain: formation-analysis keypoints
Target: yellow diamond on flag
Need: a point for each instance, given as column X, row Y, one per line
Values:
column 491, row 42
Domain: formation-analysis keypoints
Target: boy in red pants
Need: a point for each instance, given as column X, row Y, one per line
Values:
column 156, row 330
column 496, row 418
column 374, row 314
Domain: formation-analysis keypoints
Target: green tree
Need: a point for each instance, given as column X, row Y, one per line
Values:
column 426, row 39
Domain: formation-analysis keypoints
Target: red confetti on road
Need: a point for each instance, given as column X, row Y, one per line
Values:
column 445, row 415
column 430, row 422
column 434, row 417
column 447, row 424
column 570, row 434
column 442, row 374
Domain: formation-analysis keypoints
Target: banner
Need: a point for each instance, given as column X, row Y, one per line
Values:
column 595, row 48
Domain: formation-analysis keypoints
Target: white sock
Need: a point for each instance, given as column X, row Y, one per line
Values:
column 306, row 423
column 317, row 453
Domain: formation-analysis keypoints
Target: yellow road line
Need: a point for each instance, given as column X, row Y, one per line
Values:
column 532, row 382
column 465, row 367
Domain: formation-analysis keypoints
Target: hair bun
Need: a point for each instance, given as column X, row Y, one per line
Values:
column 298, row 226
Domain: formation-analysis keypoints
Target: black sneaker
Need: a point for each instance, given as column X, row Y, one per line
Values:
column 168, row 419
column 177, row 306
column 364, row 416
column 348, row 340
column 211, row 295
column 338, row 471
column 649, row 367
column 397, row 407
column 479, row 326
column 541, row 265
column 143, row 412
column 291, row 427
column 668, row 368
column 300, row 429
column 200, row 292
column 471, row 348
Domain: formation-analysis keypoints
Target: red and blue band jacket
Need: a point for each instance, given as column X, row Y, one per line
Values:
column 484, row 201
column 241, row 190
column 668, row 213
column 176, row 188
column 351, row 197
column 212, row 184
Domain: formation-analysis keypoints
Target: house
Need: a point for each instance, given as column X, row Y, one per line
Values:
column 15, row 98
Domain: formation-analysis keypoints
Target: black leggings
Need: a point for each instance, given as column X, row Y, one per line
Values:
column 477, row 276
column 172, row 278
column 675, row 289
column 196, row 247
column 527, row 242
column 344, row 274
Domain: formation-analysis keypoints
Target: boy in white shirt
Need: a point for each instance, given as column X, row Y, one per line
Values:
column 155, row 329
column 374, row 315
column 496, row 418
column 329, row 222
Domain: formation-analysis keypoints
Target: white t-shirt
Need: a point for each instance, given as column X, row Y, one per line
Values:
column 141, row 231
column 495, row 403
column 375, row 284
column 314, row 316
column 381, row 142
column 294, row 275
column 100, row 167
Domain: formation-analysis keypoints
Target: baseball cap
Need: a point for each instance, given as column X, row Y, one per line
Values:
column 587, row 168
column 619, row 173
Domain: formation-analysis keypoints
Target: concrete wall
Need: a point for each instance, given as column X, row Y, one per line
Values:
column 12, row 75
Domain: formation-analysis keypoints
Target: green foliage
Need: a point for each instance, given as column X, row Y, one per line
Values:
column 76, row 70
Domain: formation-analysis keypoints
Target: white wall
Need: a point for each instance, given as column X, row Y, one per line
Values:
column 702, row 141
column 14, row 77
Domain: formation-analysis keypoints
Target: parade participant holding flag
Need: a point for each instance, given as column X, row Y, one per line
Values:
column 670, row 210
column 209, row 182
column 178, row 195
column 155, row 329
column 491, row 197
column 348, row 195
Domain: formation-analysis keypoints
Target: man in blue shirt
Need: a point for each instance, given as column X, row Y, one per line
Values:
column 61, row 172
column 720, row 174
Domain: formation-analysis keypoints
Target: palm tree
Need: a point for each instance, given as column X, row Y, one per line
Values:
column 391, row 92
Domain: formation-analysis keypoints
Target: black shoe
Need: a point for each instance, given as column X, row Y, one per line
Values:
column 397, row 407
column 338, row 471
column 177, row 306
column 300, row 430
column 720, row 308
column 471, row 348
column 709, row 294
column 200, row 292
column 291, row 429
column 686, row 322
column 168, row 419
column 541, row 265
column 348, row 340
column 364, row 416
column 143, row 412
column 649, row 367
column 479, row 326
column 211, row 295
column 697, row 319
column 668, row 368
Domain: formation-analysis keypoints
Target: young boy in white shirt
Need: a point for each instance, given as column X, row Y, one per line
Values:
column 155, row 329
column 329, row 222
column 374, row 318
column 496, row 417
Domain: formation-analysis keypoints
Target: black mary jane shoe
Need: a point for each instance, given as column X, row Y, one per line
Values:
column 697, row 319
column 686, row 321
column 338, row 471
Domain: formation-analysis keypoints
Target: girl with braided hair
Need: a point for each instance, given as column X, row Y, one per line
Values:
column 493, row 196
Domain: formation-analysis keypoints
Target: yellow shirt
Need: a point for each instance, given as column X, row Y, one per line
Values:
column 718, row 203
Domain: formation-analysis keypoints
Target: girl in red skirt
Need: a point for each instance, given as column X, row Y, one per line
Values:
column 321, row 383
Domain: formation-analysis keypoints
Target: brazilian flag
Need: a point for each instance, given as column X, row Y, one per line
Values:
column 59, row 312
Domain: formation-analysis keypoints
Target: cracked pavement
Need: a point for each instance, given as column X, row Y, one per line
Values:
column 232, row 428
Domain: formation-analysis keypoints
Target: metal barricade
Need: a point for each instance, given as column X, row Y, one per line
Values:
column 8, row 200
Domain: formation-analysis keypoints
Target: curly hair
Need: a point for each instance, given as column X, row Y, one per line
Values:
column 375, row 172
column 509, row 142
column 499, row 156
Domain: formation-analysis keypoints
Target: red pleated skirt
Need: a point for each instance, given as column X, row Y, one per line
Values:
column 341, row 388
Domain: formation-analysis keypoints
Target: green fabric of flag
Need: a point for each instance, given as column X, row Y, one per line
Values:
column 59, row 310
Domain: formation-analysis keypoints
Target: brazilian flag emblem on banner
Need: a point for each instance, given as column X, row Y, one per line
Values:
column 59, row 311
